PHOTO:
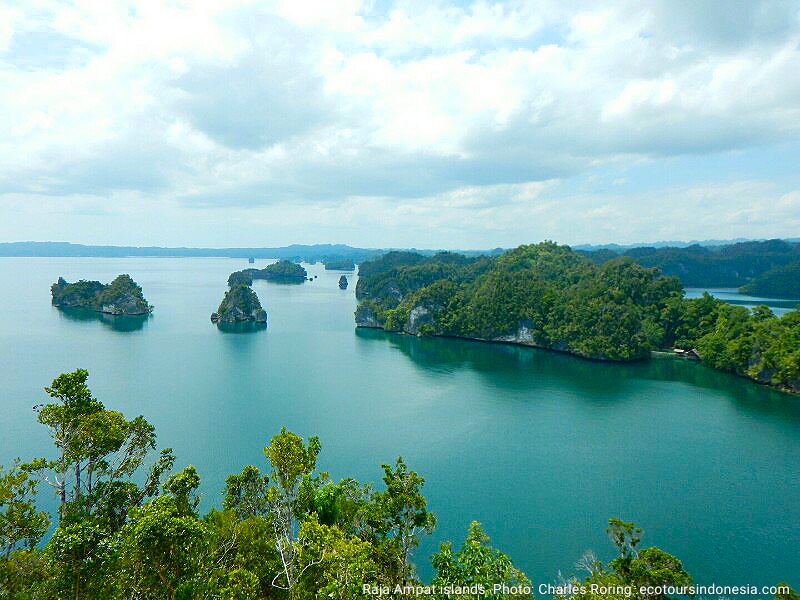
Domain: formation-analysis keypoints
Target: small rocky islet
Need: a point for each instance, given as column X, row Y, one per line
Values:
column 123, row 296
column 343, row 282
column 240, row 305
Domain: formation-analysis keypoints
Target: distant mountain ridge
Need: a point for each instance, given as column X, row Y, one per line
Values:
column 313, row 252
column 675, row 244
column 297, row 252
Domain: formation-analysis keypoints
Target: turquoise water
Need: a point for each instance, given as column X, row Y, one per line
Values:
column 540, row 447
column 779, row 306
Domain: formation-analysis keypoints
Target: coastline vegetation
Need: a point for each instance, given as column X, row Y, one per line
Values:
column 283, row 271
column 123, row 296
column 549, row 296
column 340, row 264
column 128, row 526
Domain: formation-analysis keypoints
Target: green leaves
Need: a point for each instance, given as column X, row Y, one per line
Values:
column 478, row 564
column 291, row 459
column 162, row 548
column 246, row 493
column 183, row 486
column 400, row 513
column 21, row 525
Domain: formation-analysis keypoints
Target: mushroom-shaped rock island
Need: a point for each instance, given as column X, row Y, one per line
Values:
column 240, row 305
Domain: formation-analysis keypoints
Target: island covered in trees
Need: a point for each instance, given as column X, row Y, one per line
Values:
column 127, row 525
column 342, row 264
column 240, row 305
column 123, row 296
column 549, row 296
column 283, row 271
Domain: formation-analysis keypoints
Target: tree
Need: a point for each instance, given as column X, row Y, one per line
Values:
column 101, row 448
column 163, row 550
column 478, row 564
column 246, row 493
column 64, row 419
column 20, row 522
column 332, row 565
column 291, row 463
column 81, row 560
column 401, row 513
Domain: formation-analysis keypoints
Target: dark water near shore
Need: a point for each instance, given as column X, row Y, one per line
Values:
column 540, row 447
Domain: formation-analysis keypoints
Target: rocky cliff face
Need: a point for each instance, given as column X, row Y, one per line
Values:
column 522, row 335
column 366, row 317
column 237, row 315
column 240, row 305
column 418, row 318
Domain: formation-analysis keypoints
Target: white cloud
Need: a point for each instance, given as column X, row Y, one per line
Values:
column 432, row 112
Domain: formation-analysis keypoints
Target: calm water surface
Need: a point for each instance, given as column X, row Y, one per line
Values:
column 540, row 447
column 779, row 306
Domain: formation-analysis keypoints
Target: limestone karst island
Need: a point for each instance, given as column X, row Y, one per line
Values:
column 120, row 297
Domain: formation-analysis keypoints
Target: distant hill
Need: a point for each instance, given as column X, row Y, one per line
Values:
column 710, row 263
column 295, row 252
column 732, row 265
column 670, row 244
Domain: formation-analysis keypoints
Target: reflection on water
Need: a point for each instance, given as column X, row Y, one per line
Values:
column 121, row 323
column 244, row 327
column 513, row 367
column 779, row 306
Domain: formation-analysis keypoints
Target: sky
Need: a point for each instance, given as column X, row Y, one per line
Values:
column 383, row 123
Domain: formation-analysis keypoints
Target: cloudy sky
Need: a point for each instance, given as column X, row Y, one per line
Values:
column 405, row 123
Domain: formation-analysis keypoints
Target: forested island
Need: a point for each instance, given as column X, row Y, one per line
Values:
column 283, row 271
column 778, row 282
column 128, row 525
column 344, row 264
column 240, row 305
column 343, row 283
column 549, row 296
column 120, row 297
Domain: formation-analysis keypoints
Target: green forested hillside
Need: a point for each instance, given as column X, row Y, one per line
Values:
column 732, row 265
column 778, row 282
column 129, row 526
column 548, row 296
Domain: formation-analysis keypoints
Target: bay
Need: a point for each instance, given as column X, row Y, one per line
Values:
column 540, row 447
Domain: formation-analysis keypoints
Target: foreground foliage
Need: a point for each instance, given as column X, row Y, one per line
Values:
column 127, row 530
